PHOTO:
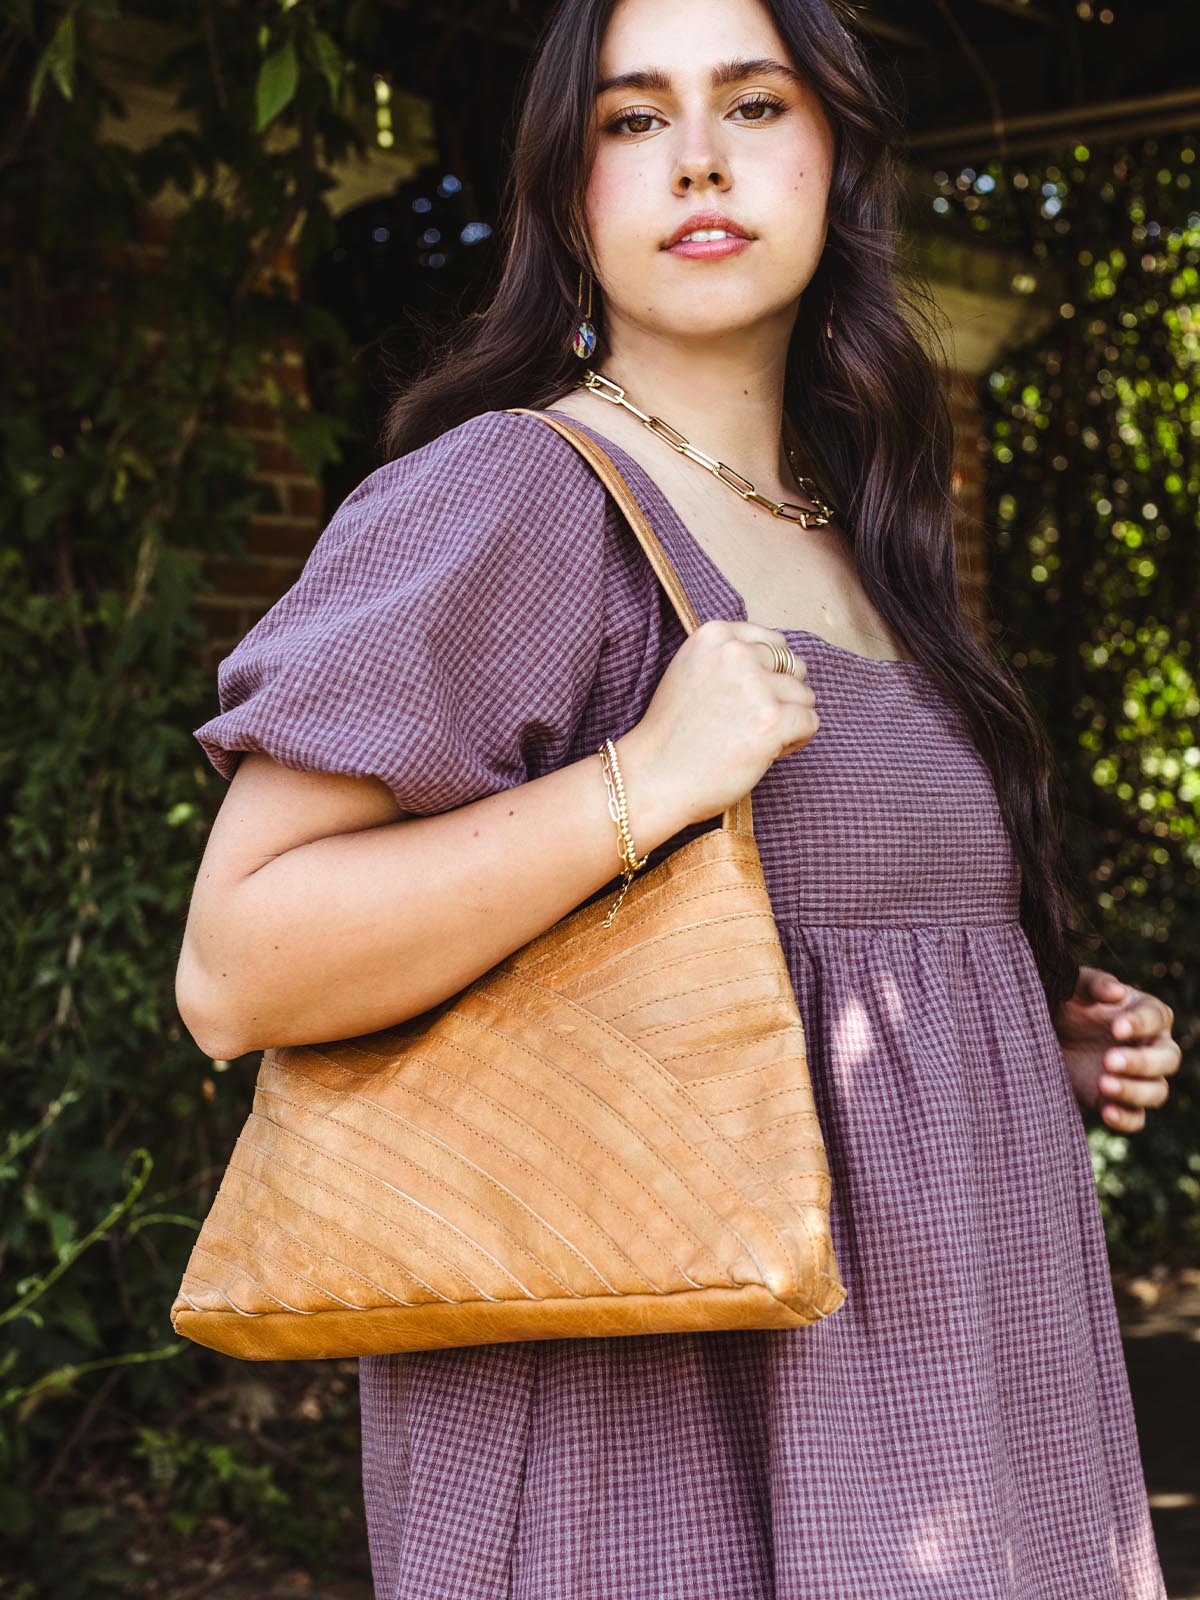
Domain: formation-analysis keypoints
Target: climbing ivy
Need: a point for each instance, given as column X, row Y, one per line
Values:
column 1092, row 438
column 122, row 468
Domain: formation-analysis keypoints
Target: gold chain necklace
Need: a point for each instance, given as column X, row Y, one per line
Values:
column 605, row 389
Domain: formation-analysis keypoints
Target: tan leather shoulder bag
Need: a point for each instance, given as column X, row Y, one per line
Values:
column 610, row 1132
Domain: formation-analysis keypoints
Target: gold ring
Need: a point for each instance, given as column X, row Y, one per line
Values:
column 785, row 660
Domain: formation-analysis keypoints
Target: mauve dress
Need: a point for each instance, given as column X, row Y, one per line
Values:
column 477, row 613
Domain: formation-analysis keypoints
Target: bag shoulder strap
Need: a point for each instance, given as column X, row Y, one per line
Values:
column 737, row 817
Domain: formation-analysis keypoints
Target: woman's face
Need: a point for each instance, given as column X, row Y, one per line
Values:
column 759, row 149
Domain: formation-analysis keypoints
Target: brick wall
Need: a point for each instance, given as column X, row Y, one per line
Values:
column 278, row 541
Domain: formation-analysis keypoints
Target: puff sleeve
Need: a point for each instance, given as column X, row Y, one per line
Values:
column 445, row 632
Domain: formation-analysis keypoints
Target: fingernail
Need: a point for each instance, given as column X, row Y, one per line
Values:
column 1116, row 1058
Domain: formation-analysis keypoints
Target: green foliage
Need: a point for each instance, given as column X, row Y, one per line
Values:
column 1093, row 480
column 121, row 468
column 196, row 1480
column 202, row 1477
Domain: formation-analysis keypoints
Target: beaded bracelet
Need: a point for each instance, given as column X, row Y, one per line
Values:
column 619, row 812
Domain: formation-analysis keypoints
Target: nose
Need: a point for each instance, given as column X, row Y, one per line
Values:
column 698, row 171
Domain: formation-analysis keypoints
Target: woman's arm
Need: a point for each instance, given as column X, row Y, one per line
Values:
column 318, row 915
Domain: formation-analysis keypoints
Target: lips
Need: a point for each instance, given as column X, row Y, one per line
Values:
column 707, row 219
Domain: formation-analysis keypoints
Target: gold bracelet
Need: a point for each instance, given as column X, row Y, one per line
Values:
column 618, row 807
column 630, row 851
column 618, row 810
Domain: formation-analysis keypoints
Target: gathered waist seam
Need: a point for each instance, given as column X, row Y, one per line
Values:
column 909, row 926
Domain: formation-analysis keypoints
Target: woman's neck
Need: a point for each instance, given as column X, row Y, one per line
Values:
column 725, row 398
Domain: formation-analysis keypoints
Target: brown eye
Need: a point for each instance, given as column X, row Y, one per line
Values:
column 763, row 100
column 629, row 116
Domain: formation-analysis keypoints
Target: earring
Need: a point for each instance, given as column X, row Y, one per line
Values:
column 584, row 341
column 829, row 318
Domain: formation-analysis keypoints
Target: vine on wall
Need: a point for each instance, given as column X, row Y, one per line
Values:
column 122, row 470
column 1093, row 502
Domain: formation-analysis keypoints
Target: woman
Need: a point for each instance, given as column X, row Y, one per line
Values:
column 474, row 621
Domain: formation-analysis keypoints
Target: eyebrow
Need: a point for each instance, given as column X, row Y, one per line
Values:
column 725, row 72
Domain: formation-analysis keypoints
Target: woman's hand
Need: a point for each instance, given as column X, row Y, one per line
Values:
column 1120, row 1079
column 721, row 714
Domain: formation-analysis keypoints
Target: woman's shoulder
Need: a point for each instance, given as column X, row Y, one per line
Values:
column 502, row 499
column 446, row 632
column 500, row 465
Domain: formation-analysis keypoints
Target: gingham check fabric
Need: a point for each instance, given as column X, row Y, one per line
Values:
column 477, row 613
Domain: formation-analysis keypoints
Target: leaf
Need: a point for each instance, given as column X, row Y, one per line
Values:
column 62, row 1232
column 313, row 438
column 62, row 56
column 277, row 79
column 58, row 59
column 328, row 60
column 75, row 1316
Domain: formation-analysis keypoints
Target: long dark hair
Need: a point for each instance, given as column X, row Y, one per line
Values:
column 870, row 404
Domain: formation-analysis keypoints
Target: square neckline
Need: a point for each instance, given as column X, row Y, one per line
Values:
column 630, row 464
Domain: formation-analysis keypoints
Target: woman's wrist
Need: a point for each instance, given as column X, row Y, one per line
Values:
column 654, row 808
